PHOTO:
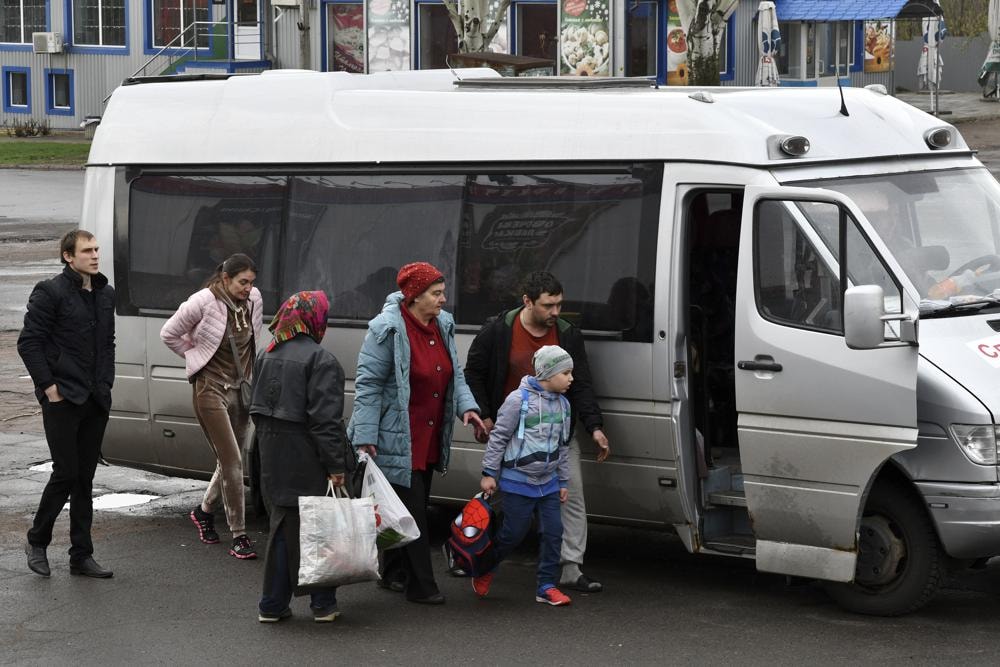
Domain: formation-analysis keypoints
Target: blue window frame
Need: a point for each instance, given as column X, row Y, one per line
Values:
column 534, row 29
column 59, row 96
column 20, row 18
column 97, row 26
column 16, row 89
column 434, row 34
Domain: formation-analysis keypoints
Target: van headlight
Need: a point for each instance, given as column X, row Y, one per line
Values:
column 979, row 442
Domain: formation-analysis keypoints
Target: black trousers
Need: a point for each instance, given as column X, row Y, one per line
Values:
column 412, row 564
column 74, row 433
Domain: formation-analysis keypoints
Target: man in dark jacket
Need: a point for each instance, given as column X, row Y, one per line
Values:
column 501, row 355
column 68, row 346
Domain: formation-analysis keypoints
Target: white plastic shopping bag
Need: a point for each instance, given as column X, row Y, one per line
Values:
column 336, row 539
column 395, row 526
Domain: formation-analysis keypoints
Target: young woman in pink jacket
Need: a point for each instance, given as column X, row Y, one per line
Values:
column 215, row 331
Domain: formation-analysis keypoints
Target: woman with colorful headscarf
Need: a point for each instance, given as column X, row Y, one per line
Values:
column 408, row 390
column 297, row 408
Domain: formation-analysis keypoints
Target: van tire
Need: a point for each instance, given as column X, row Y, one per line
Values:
column 257, row 503
column 897, row 533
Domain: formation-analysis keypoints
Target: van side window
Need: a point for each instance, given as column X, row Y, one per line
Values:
column 794, row 285
column 596, row 232
column 180, row 228
column 348, row 235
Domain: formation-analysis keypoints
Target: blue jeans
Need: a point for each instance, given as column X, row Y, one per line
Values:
column 278, row 591
column 517, row 513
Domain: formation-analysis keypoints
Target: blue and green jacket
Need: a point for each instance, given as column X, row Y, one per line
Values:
column 528, row 450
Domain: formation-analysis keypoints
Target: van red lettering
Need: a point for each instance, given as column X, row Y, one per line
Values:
column 989, row 351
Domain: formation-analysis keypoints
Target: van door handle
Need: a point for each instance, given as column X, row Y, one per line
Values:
column 760, row 364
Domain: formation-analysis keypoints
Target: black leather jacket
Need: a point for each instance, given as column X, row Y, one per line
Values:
column 298, row 409
column 65, row 343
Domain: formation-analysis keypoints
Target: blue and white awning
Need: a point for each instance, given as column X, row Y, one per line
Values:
column 854, row 10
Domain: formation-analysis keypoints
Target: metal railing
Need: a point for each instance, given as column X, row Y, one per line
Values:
column 192, row 42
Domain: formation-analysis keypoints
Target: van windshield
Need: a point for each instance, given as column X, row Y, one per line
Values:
column 943, row 227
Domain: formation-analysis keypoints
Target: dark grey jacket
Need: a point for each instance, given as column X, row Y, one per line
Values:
column 298, row 409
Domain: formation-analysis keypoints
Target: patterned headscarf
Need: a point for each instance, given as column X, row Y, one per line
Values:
column 302, row 313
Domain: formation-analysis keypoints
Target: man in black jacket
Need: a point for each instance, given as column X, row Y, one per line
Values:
column 501, row 355
column 68, row 346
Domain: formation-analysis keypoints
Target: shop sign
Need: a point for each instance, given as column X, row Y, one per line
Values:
column 879, row 40
column 584, row 38
column 388, row 35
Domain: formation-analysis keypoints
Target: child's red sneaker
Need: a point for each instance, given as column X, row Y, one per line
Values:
column 554, row 597
column 481, row 585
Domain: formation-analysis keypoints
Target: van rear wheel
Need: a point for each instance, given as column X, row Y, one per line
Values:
column 899, row 564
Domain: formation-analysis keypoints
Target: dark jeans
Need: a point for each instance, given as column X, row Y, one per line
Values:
column 74, row 433
column 412, row 564
column 277, row 585
column 517, row 513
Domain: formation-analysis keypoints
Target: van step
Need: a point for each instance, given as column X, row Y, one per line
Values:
column 732, row 544
column 731, row 498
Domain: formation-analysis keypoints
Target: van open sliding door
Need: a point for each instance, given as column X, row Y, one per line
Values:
column 816, row 419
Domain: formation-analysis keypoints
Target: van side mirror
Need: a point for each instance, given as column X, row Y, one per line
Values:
column 864, row 307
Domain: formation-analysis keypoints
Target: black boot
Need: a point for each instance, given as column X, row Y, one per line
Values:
column 38, row 562
column 88, row 567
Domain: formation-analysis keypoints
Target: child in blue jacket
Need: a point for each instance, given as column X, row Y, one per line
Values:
column 528, row 453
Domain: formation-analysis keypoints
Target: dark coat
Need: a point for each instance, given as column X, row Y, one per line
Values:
column 298, row 409
column 486, row 368
column 66, row 344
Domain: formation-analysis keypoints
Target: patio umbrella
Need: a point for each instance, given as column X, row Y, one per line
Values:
column 989, row 75
column 768, row 42
column 929, row 66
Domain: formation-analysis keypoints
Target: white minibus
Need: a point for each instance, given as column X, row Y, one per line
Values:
column 749, row 267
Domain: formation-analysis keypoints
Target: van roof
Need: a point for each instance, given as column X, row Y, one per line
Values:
column 307, row 117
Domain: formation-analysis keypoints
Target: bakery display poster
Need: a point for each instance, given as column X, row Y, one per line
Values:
column 879, row 39
column 677, row 50
column 347, row 38
column 584, row 38
column 388, row 35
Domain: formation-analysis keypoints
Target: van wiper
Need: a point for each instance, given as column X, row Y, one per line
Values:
column 956, row 304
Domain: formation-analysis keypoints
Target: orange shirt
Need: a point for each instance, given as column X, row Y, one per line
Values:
column 522, row 351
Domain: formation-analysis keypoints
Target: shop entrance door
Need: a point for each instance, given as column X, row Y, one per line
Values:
column 246, row 30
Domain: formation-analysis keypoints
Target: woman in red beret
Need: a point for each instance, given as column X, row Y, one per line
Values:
column 408, row 390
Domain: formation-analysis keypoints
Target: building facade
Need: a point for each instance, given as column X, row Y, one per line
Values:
column 61, row 59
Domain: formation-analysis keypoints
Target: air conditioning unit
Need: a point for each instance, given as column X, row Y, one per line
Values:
column 47, row 42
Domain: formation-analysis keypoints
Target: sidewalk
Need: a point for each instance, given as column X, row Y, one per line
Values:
column 964, row 107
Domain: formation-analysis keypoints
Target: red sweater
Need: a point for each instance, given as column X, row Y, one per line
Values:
column 430, row 375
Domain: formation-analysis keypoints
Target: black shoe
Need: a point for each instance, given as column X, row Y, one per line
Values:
column 268, row 617
column 205, row 523
column 88, row 567
column 437, row 598
column 242, row 548
column 584, row 584
column 38, row 562
column 394, row 586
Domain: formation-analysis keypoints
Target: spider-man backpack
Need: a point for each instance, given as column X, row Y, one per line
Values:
column 470, row 549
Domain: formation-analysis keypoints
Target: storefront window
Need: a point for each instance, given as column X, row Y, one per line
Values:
column 435, row 34
column 345, row 30
column 641, row 28
column 536, row 29
column 810, row 51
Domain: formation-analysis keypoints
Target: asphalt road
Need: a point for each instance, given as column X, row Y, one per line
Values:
column 176, row 601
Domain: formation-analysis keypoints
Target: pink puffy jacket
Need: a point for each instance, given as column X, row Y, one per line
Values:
column 196, row 330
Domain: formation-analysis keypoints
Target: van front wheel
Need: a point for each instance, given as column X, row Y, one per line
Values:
column 899, row 564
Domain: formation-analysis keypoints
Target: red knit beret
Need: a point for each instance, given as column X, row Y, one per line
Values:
column 414, row 279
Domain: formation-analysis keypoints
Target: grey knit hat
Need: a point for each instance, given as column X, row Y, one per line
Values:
column 550, row 360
